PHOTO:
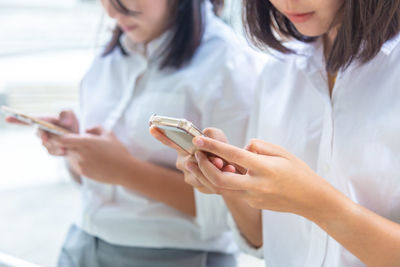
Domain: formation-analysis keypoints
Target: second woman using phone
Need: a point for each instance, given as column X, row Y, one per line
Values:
column 173, row 58
column 321, row 181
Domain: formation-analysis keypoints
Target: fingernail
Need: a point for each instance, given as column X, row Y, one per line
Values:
column 197, row 156
column 199, row 142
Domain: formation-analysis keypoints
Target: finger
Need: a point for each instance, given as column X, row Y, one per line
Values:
column 228, row 152
column 218, row 162
column 52, row 120
column 71, row 141
column 229, row 168
column 182, row 161
column 58, row 152
column 191, row 179
column 54, row 149
column 201, row 183
column 13, row 120
column 45, row 136
column 225, row 180
column 160, row 136
column 216, row 134
column 66, row 118
column 198, row 177
column 264, row 148
column 98, row 130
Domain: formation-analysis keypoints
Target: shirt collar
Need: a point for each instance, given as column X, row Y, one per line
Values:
column 308, row 56
column 388, row 46
column 309, row 49
column 148, row 51
column 307, row 52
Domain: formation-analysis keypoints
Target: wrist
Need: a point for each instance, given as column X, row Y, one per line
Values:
column 327, row 205
column 126, row 171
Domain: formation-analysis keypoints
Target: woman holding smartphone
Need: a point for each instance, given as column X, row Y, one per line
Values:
column 173, row 58
column 324, row 167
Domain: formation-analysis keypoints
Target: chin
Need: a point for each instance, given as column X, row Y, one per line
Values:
column 310, row 31
column 138, row 38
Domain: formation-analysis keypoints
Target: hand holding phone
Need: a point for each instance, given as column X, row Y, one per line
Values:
column 65, row 120
column 29, row 120
column 179, row 133
column 186, row 161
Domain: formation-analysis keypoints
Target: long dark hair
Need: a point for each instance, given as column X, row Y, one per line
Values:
column 187, row 24
column 365, row 26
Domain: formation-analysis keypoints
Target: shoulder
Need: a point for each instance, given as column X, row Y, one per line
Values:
column 222, row 51
column 101, row 61
column 108, row 67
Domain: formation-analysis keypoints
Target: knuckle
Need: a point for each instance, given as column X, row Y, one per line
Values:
column 253, row 144
column 219, row 181
column 180, row 163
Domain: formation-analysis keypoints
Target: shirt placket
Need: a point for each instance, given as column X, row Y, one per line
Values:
column 126, row 98
column 318, row 237
column 108, row 191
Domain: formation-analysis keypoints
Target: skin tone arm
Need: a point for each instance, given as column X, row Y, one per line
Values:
column 248, row 219
column 99, row 155
column 277, row 180
column 159, row 183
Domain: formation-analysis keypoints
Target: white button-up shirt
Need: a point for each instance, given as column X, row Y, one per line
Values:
column 351, row 139
column 122, row 92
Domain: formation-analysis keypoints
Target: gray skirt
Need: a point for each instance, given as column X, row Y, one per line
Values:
column 83, row 250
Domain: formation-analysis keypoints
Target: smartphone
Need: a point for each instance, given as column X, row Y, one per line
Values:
column 44, row 125
column 179, row 131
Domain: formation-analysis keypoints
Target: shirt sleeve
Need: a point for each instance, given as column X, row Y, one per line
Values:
column 211, row 214
column 242, row 243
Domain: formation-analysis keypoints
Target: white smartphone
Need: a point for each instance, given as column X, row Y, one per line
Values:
column 179, row 131
column 44, row 125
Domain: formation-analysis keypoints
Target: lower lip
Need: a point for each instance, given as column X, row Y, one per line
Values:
column 128, row 29
column 300, row 18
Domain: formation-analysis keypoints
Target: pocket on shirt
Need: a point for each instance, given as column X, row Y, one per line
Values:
column 139, row 113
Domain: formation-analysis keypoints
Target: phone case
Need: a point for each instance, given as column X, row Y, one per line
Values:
column 49, row 127
column 168, row 125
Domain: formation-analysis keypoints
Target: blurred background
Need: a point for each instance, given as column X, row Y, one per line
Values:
column 46, row 46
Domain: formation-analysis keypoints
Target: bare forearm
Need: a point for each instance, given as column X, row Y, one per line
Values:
column 375, row 240
column 247, row 219
column 74, row 175
column 159, row 183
